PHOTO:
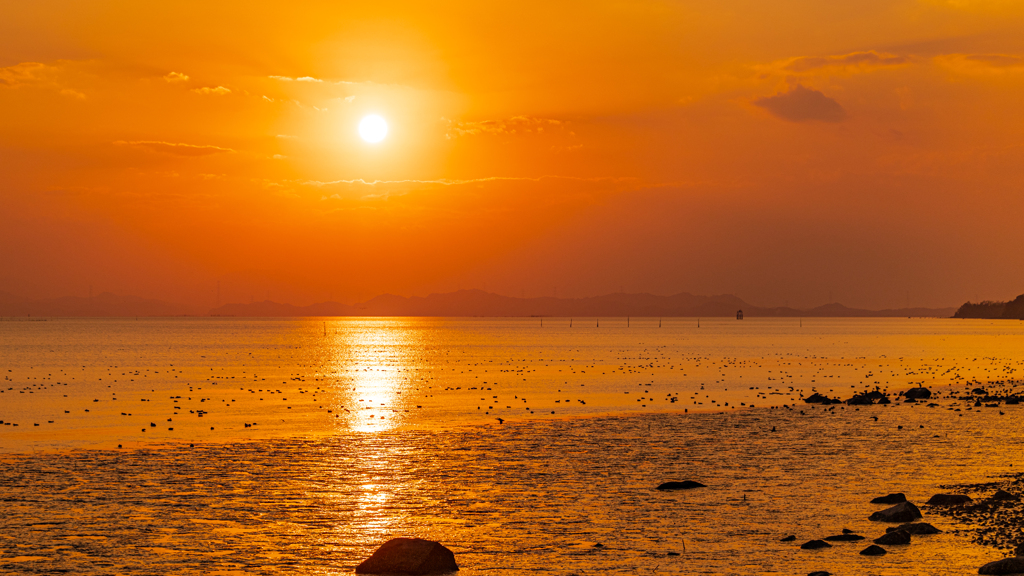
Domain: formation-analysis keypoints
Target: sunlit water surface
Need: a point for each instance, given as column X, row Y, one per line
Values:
column 363, row 429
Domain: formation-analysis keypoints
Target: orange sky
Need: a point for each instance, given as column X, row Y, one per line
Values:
column 782, row 151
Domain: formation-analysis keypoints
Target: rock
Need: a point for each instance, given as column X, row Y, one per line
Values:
column 902, row 512
column 789, row 538
column 890, row 499
column 948, row 500
column 915, row 528
column 409, row 556
column 820, row 573
column 817, row 398
column 1004, row 495
column 884, row 401
column 860, row 400
column 894, row 537
column 1005, row 566
column 979, row 391
column 872, row 551
column 844, row 538
column 919, row 393
column 814, row 545
column 684, row 485
column 1019, row 551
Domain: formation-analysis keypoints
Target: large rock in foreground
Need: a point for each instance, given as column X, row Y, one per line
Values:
column 902, row 512
column 920, row 393
column 409, row 556
column 1004, row 566
column 684, row 485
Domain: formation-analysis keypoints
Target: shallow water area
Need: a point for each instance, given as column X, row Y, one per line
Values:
column 364, row 429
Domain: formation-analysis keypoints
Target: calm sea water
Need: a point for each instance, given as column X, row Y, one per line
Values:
column 298, row 446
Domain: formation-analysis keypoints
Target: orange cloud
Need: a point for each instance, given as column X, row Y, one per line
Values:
column 852, row 62
column 982, row 63
column 175, row 148
column 802, row 105
column 219, row 90
column 514, row 125
column 176, row 77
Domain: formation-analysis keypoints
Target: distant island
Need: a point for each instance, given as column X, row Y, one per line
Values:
column 462, row 303
column 1012, row 310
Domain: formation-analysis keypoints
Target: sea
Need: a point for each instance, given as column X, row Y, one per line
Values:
column 526, row 446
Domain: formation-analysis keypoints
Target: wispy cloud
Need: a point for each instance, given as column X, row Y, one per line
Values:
column 802, row 105
column 176, row 77
column 174, row 148
column 219, row 90
column 514, row 125
column 23, row 73
column 982, row 63
column 852, row 62
column 300, row 79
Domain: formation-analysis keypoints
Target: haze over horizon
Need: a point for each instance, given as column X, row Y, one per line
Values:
column 792, row 153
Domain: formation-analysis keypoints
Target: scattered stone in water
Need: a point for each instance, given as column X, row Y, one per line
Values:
column 872, row 551
column 789, row 538
column 919, row 393
column 684, row 485
column 896, row 498
column 409, row 556
column 894, row 537
column 814, row 545
column 903, row 512
column 915, row 528
column 948, row 500
column 1013, row 565
column 820, row 573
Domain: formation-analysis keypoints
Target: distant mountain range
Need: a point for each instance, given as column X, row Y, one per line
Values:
column 1012, row 310
column 461, row 303
column 480, row 303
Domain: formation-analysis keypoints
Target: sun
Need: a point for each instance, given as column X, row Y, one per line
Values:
column 373, row 128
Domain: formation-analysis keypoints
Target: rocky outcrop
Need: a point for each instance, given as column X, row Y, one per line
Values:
column 814, row 545
column 903, row 512
column 873, row 551
column 817, row 398
column 844, row 538
column 919, row 393
column 409, row 556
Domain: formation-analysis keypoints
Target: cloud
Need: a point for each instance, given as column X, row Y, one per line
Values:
column 73, row 93
column 219, row 90
column 514, row 125
column 802, row 105
column 301, row 79
column 176, row 77
column 23, row 73
column 174, row 148
column 852, row 62
column 982, row 63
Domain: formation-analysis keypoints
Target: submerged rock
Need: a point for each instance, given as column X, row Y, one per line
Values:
column 1004, row 495
column 820, row 573
column 814, row 545
column 844, row 538
column 915, row 528
column 872, row 551
column 948, row 500
column 895, row 498
column 894, row 537
column 409, row 556
column 789, row 538
column 902, row 512
column 684, row 485
column 1005, row 566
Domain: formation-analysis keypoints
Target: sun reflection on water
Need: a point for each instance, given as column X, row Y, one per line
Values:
column 374, row 352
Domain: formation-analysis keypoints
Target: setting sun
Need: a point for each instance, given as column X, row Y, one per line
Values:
column 373, row 128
